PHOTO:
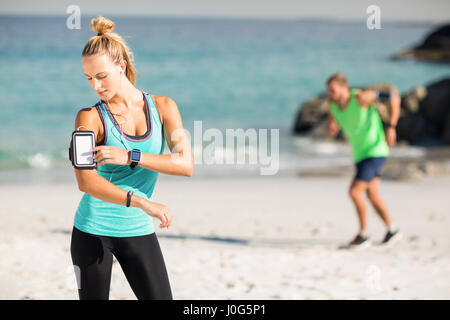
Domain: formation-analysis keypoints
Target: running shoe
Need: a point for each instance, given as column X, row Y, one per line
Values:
column 360, row 242
column 391, row 237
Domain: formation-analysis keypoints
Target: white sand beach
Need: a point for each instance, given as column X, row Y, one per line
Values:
column 248, row 238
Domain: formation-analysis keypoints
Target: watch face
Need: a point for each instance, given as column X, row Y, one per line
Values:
column 135, row 155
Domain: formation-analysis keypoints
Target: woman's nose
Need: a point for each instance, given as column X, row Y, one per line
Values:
column 96, row 84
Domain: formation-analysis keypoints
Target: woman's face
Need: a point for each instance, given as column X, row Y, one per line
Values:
column 102, row 74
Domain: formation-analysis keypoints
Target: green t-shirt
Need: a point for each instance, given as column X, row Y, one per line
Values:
column 363, row 128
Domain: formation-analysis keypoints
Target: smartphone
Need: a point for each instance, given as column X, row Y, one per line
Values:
column 79, row 154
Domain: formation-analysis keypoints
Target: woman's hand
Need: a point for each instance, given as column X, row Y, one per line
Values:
column 111, row 154
column 158, row 211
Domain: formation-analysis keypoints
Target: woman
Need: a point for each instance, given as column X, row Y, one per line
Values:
column 114, row 216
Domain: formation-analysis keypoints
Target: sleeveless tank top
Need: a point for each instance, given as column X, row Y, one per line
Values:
column 99, row 217
column 363, row 128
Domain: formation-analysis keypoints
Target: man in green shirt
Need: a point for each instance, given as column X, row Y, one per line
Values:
column 353, row 111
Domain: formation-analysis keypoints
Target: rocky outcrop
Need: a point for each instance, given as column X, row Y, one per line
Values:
column 424, row 118
column 435, row 47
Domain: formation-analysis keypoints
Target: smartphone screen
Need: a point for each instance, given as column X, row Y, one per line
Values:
column 83, row 143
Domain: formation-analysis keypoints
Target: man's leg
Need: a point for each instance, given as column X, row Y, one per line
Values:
column 356, row 192
column 374, row 196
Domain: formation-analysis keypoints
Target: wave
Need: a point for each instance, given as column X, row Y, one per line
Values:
column 295, row 153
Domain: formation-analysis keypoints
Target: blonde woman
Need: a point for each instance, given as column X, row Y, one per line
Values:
column 114, row 216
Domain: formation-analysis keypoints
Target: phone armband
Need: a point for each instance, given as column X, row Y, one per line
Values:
column 79, row 154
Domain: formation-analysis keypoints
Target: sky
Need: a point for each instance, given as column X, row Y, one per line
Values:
column 398, row 10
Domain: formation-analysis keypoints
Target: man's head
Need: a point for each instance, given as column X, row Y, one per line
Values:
column 337, row 87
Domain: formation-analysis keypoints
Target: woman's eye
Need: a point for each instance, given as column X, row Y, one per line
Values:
column 98, row 78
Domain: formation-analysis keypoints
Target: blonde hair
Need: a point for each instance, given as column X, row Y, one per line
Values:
column 111, row 44
column 339, row 77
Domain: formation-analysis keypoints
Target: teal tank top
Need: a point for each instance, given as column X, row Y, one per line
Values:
column 99, row 217
column 363, row 128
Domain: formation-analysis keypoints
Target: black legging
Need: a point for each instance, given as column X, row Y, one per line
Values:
column 140, row 258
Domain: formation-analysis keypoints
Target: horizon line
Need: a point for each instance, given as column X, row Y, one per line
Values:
column 253, row 18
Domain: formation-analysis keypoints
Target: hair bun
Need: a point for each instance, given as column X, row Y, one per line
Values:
column 101, row 25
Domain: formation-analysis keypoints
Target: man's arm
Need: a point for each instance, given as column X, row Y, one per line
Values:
column 367, row 97
column 394, row 109
column 394, row 112
column 333, row 127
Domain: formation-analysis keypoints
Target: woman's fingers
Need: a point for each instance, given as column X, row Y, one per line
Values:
column 169, row 220
column 163, row 219
column 166, row 219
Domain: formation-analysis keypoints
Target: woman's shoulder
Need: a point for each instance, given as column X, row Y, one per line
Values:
column 90, row 118
column 164, row 105
column 89, row 114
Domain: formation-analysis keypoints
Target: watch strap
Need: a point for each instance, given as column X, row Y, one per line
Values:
column 390, row 125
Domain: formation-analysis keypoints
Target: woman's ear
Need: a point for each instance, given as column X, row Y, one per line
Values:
column 123, row 66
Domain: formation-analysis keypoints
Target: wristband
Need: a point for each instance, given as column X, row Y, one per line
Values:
column 384, row 96
column 129, row 194
column 389, row 125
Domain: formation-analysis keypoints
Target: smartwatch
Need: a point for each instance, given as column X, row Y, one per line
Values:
column 135, row 157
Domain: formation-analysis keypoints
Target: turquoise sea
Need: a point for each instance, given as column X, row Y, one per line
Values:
column 228, row 73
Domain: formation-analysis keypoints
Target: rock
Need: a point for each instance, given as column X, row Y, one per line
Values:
column 429, row 125
column 435, row 47
column 431, row 168
column 437, row 40
column 436, row 105
column 311, row 113
column 446, row 129
column 412, row 170
column 401, row 171
column 417, row 131
column 411, row 100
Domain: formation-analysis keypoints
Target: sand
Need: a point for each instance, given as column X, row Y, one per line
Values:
column 247, row 238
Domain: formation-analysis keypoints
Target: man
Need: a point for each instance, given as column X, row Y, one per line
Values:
column 354, row 112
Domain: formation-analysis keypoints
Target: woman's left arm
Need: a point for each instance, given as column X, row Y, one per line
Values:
column 180, row 161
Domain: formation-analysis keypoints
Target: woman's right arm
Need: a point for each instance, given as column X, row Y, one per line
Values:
column 97, row 186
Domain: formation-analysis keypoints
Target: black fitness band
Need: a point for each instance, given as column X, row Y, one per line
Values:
column 129, row 194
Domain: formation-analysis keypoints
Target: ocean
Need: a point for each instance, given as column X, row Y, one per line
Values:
column 227, row 73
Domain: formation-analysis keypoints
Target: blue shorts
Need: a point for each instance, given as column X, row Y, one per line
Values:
column 369, row 168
